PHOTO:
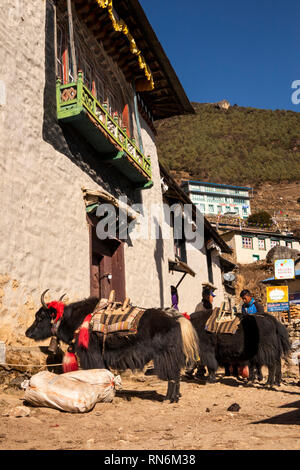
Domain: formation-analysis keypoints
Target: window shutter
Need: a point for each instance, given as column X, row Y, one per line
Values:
column 125, row 119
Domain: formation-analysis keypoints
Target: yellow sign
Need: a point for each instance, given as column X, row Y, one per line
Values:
column 277, row 294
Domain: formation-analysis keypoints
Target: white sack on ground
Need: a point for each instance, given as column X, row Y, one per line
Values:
column 75, row 392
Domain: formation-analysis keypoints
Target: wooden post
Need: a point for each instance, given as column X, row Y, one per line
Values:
column 55, row 38
column 289, row 312
column 71, row 36
column 137, row 118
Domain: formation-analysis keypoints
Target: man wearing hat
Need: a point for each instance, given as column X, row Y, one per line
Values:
column 204, row 306
column 207, row 298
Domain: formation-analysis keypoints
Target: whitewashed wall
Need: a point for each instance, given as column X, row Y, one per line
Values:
column 44, row 238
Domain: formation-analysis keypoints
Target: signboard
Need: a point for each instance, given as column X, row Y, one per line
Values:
column 295, row 298
column 278, row 299
column 284, row 269
column 278, row 307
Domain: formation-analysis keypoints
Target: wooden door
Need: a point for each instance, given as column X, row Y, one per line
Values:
column 106, row 258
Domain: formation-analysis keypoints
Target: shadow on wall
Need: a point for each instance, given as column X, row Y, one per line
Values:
column 66, row 140
column 159, row 257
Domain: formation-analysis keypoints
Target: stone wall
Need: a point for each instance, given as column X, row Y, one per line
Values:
column 294, row 334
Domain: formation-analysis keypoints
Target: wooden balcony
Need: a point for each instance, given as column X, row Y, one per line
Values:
column 77, row 106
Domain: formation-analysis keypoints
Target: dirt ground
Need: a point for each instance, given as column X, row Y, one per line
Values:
column 138, row 418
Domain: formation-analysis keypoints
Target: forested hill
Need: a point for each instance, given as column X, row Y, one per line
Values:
column 236, row 146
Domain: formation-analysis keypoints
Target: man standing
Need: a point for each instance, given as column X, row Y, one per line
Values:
column 207, row 299
column 204, row 306
column 250, row 305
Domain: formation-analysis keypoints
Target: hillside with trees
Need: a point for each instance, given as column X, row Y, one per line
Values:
column 236, row 146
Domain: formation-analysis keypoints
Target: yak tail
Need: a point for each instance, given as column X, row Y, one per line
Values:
column 190, row 341
column 284, row 340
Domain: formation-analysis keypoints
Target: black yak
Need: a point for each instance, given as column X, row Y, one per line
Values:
column 274, row 345
column 260, row 340
column 170, row 342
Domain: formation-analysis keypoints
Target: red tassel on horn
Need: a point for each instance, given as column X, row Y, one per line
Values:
column 59, row 307
column 84, row 334
column 70, row 363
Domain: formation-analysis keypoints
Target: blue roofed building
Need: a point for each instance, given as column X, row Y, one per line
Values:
column 215, row 199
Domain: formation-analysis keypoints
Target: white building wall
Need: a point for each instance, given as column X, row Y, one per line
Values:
column 146, row 260
column 245, row 255
column 190, row 290
column 44, row 235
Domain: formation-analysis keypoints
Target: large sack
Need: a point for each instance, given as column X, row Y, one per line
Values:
column 75, row 392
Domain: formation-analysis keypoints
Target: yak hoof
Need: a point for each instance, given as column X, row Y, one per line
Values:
column 269, row 386
column 211, row 380
column 174, row 400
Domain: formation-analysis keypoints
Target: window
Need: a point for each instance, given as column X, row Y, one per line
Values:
column 289, row 244
column 177, row 224
column 247, row 242
column 219, row 209
column 236, row 209
column 211, row 208
column 202, row 208
column 261, row 244
column 198, row 197
column 255, row 258
column 274, row 243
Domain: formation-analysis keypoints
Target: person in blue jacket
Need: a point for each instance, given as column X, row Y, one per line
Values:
column 250, row 305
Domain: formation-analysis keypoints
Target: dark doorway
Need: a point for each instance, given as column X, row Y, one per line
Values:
column 107, row 266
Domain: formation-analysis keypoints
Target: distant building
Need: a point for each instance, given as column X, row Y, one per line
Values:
column 214, row 199
column 250, row 245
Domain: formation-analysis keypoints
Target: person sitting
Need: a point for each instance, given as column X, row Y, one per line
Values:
column 250, row 305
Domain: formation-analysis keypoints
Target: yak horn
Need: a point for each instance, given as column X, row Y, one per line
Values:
column 60, row 299
column 43, row 300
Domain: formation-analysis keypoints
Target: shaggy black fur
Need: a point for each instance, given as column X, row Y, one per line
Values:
column 259, row 340
column 274, row 345
column 158, row 338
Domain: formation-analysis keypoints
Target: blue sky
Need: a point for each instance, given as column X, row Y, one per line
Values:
column 247, row 52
